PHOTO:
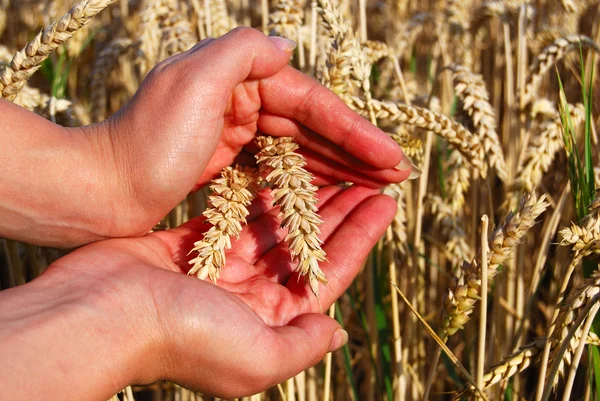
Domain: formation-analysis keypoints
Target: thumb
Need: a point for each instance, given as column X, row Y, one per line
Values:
column 241, row 54
column 297, row 346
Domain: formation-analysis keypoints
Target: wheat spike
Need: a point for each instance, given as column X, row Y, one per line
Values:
column 457, row 248
column 410, row 144
column 551, row 55
column 471, row 90
column 570, row 312
column 221, row 22
column 232, row 193
column 103, row 65
column 296, row 197
column 177, row 35
column 457, row 135
column 27, row 61
column 376, row 50
column 464, row 292
column 286, row 18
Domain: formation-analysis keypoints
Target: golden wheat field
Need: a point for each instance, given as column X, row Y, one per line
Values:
column 486, row 285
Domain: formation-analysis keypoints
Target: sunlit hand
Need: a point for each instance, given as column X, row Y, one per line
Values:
column 199, row 111
column 123, row 311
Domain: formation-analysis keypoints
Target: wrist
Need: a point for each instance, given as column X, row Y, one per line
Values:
column 60, row 341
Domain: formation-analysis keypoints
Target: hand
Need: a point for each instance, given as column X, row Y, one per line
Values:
column 199, row 111
column 123, row 311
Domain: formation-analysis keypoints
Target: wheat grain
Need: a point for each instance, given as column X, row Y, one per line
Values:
column 221, row 22
column 296, row 198
column 27, row 61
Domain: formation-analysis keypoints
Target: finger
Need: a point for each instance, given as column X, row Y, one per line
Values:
column 242, row 53
column 294, row 95
column 346, row 250
column 272, row 124
column 339, row 173
column 297, row 346
column 276, row 262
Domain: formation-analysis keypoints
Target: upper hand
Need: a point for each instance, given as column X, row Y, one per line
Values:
column 199, row 111
column 123, row 311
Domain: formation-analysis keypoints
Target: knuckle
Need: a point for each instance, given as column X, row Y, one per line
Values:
column 246, row 33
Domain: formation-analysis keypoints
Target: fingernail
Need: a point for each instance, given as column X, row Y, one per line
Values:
column 414, row 173
column 340, row 338
column 405, row 164
column 287, row 45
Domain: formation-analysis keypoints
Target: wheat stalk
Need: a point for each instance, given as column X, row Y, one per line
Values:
column 296, row 198
column 28, row 60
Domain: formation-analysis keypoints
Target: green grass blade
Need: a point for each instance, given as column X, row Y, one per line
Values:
column 347, row 358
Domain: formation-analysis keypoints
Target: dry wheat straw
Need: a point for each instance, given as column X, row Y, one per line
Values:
column 457, row 135
column 103, row 66
column 27, row 61
column 232, row 193
column 551, row 55
column 464, row 291
column 296, row 198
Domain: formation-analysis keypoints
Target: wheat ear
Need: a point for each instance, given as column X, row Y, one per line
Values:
column 286, row 18
column 103, row 65
column 465, row 290
column 472, row 92
column 28, row 60
column 544, row 146
column 550, row 55
column 296, row 197
column 456, row 134
column 232, row 193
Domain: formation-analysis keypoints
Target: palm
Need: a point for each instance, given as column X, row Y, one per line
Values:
column 259, row 270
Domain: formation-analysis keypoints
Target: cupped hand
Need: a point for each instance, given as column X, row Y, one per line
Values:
column 257, row 327
column 199, row 111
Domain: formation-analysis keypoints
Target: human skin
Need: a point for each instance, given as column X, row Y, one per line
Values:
column 194, row 114
column 123, row 311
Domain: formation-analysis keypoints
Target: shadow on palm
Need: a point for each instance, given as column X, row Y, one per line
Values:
column 259, row 269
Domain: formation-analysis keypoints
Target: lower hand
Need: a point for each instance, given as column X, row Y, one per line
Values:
column 123, row 311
